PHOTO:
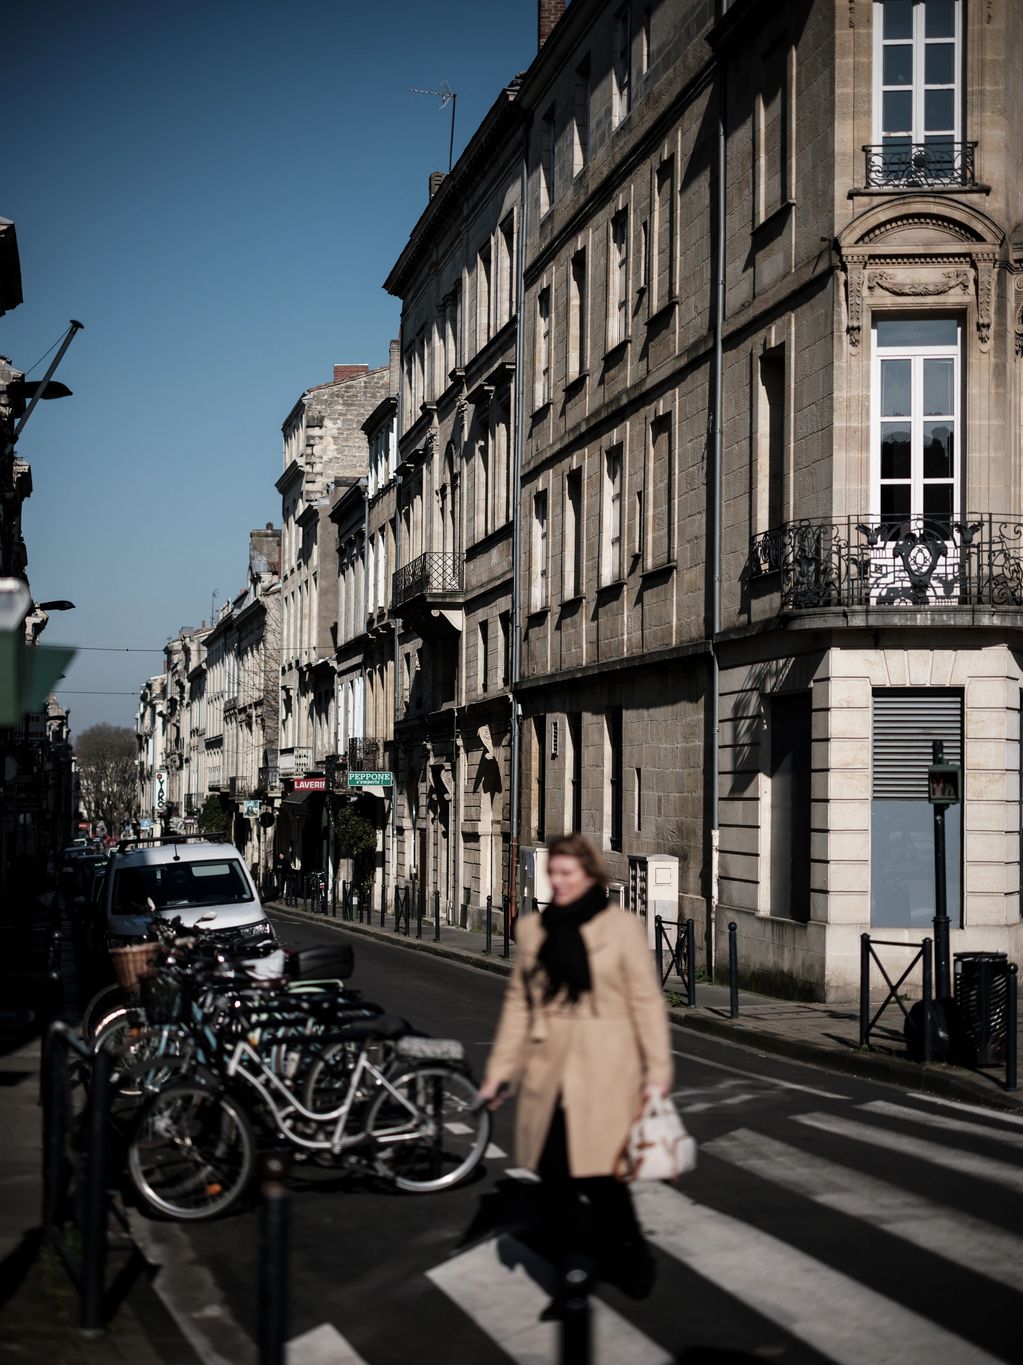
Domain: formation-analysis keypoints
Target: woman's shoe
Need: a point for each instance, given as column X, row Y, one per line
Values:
column 634, row 1270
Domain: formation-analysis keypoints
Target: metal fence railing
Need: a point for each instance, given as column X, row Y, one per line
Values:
column 869, row 1021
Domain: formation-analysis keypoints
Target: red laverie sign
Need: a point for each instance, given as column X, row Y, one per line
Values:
column 310, row 784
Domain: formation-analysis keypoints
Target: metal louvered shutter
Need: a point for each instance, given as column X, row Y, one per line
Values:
column 906, row 724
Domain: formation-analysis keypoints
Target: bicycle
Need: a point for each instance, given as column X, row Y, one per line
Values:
column 192, row 1151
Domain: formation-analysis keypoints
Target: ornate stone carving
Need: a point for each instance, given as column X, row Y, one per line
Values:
column 984, row 264
column 893, row 283
column 949, row 226
column 854, row 293
column 1019, row 328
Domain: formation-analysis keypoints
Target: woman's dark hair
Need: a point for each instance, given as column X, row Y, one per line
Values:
column 578, row 846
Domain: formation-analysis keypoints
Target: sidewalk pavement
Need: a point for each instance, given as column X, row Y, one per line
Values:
column 39, row 1306
column 823, row 1035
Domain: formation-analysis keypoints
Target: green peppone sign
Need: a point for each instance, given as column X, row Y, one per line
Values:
column 370, row 778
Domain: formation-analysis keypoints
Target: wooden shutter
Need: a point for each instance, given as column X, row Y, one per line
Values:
column 906, row 723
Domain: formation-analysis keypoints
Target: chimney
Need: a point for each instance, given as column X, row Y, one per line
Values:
column 436, row 180
column 548, row 14
column 342, row 373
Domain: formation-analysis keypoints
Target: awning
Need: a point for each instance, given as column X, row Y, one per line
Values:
column 298, row 799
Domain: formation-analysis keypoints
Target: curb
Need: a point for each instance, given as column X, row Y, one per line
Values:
column 934, row 1079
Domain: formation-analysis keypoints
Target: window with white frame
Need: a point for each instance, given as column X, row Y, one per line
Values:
column 538, row 555
column 611, row 518
column 618, row 280
column 543, row 347
column 917, row 93
column 621, row 66
column 916, row 455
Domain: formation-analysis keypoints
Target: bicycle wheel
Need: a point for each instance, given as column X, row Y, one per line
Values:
column 192, row 1152
column 100, row 1007
column 329, row 1076
column 114, row 1031
column 429, row 1135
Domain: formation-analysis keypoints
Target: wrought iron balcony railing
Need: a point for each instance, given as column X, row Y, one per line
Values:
column 213, row 778
column 238, row 786
column 269, row 778
column 366, row 754
column 912, row 562
column 433, row 572
column 920, row 165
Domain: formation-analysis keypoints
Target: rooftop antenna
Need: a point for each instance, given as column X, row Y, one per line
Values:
column 446, row 96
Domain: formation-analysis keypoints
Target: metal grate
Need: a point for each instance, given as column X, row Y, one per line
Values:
column 906, row 724
column 919, row 165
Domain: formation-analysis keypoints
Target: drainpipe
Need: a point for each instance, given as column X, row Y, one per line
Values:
column 516, row 602
column 397, row 670
column 714, row 517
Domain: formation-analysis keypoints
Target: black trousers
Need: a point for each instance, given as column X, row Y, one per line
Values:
column 602, row 1226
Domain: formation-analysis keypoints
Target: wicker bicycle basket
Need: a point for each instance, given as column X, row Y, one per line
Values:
column 162, row 999
column 134, row 962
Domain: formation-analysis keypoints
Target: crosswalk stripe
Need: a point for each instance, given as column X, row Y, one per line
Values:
column 324, row 1345
column 952, row 1158
column 758, row 1076
column 957, row 1237
column 503, row 1287
column 830, row 1312
column 993, row 1115
column 494, row 1153
column 947, row 1125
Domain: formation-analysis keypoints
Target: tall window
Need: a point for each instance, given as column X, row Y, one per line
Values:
column 772, row 126
column 506, row 296
column 915, row 433
column 547, row 161
column 575, row 739
column 662, row 488
column 905, row 725
column 615, row 774
column 577, row 314
column 621, row 67
column 538, row 559
column 543, row 347
column 644, row 52
column 484, row 492
column 483, row 266
column 664, row 233
column 917, row 89
column 573, row 556
column 505, row 621
column 611, row 518
column 581, row 118
column 790, row 771
column 618, row 280
column 540, row 778
column 484, row 656
column 771, row 438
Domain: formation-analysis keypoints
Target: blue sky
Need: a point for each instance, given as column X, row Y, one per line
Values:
column 217, row 189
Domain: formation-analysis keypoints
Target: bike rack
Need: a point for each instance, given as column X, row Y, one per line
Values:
column 924, row 954
column 402, row 908
column 75, row 1182
column 681, row 955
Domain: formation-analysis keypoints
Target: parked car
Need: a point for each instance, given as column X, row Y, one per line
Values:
column 188, row 879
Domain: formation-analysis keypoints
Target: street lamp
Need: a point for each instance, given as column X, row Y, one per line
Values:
column 59, row 604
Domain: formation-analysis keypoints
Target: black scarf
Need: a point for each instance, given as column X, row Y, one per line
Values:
column 562, row 953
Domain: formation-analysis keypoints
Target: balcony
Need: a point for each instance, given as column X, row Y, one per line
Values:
column 912, row 563
column 269, row 778
column 239, row 786
column 432, row 580
column 897, row 165
column 367, row 753
column 214, row 777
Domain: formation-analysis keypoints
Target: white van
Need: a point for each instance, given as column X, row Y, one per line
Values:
column 187, row 879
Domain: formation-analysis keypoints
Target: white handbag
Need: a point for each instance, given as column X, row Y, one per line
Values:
column 659, row 1147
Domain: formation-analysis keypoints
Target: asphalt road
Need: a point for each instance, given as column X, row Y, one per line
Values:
column 829, row 1219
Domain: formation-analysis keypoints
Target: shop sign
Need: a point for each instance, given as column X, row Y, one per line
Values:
column 250, row 808
column 370, row 779
column 310, row 784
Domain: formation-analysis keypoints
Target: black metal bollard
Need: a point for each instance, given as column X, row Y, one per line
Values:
column 54, row 1098
column 436, row 916
column 383, row 907
column 659, row 947
column 273, row 1263
column 575, row 1325
column 864, row 989
column 690, row 964
column 506, row 929
column 1012, row 1037
column 488, row 928
column 420, row 894
column 733, row 971
column 94, row 1228
column 928, row 994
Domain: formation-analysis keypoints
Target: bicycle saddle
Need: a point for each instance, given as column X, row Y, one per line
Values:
column 381, row 1027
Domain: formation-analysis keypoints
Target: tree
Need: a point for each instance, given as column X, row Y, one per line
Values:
column 356, row 837
column 212, row 817
column 108, row 764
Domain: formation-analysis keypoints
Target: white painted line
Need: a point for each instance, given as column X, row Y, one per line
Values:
column 759, row 1076
column 503, row 1287
column 938, row 1154
column 947, row 1125
column 494, row 1153
column 458, row 1129
column 840, row 1318
column 995, row 1115
column 955, row 1236
column 522, row 1173
column 324, row 1345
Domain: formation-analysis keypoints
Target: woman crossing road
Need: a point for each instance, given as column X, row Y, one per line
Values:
column 583, row 1036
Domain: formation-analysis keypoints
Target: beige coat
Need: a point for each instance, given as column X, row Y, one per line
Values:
column 597, row 1054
